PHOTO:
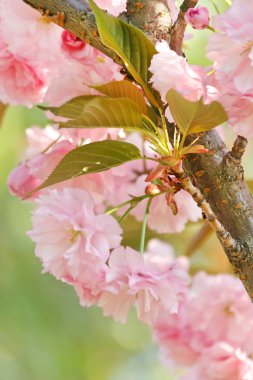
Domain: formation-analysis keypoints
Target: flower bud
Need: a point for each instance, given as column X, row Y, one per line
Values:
column 21, row 182
column 198, row 18
column 152, row 189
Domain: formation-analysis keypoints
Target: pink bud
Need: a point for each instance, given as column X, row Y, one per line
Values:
column 21, row 182
column 71, row 42
column 198, row 18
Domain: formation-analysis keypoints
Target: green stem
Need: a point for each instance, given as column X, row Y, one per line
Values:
column 211, row 28
column 166, row 136
column 125, row 214
column 144, row 225
column 112, row 210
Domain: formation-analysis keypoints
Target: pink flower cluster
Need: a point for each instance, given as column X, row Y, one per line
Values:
column 38, row 55
column 231, row 49
column 210, row 334
column 81, row 247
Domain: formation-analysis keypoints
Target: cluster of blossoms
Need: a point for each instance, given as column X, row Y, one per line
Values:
column 209, row 337
column 231, row 49
column 82, row 247
column 202, row 326
column 35, row 59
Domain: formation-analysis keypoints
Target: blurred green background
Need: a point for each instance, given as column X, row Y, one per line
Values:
column 44, row 333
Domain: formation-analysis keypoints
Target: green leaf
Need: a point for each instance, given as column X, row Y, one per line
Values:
column 92, row 158
column 124, row 89
column 194, row 117
column 71, row 109
column 131, row 44
column 102, row 112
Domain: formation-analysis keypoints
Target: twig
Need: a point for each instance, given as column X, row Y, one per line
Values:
column 238, row 149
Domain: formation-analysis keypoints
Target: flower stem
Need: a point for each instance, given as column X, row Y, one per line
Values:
column 144, row 225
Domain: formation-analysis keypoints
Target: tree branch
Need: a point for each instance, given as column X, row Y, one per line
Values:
column 178, row 29
column 215, row 179
column 219, row 177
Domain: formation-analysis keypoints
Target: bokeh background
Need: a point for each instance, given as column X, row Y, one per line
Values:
column 44, row 332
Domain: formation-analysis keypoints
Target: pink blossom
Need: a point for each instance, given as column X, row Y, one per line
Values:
column 35, row 68
column 78, row 77
column 217, row 309
column 153, row 286
column 20, row 81
column 198, row 17
column 35, row 39
column 21, row 182
column 221, row 362
column 115, row 7
column 172, row 71
column 68, row 234
column 231, row 50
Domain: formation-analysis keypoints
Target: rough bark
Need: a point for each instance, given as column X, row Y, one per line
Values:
column 215, row 179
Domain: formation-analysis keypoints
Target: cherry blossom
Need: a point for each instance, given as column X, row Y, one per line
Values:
column 31, row 68
column 231, row 50
column 152, row 285
column 217, row 310
column 21, row 82
column 221, row 362
column 173, row 71
column 68, row 233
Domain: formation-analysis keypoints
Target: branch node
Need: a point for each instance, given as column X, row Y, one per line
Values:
column 238, row 149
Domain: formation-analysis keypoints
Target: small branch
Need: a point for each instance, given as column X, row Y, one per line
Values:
column 238, row 149
column 178, row 29
column 223, row 235
column 238, row 252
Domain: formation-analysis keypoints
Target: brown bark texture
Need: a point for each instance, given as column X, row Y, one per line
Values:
column 215, row 180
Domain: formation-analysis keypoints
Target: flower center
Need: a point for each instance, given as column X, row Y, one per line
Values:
column 228, row 310
column 74, row 235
